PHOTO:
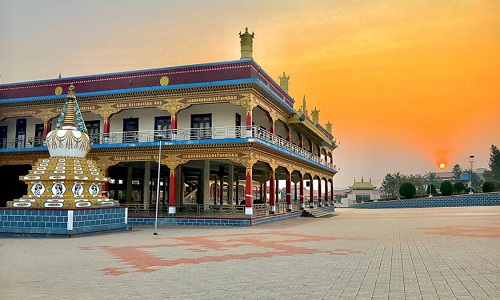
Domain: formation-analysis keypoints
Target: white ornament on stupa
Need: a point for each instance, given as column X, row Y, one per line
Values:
column 70, row 138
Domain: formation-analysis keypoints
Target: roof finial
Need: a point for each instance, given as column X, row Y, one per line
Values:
column 284, row 81
column 246, row 42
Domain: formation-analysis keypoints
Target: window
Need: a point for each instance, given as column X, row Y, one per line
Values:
column 164, row 124
column 238, row 125
column 201, row 126
column 130, row 128
column 38, row 135
column 93, row 130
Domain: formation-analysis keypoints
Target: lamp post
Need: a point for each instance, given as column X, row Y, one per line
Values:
column 159, row 136
column 471, row 160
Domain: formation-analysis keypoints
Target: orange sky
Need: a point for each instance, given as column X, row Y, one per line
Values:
column 406, row 84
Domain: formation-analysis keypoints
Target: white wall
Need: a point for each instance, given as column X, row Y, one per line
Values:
column 223, row 114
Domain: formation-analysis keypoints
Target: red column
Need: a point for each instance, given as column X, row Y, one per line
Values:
column 301, row 192
column 249, row 123
column 320, row 201
column 106, row 127
column 288, row 135
column 301, row 141
column 332, row 196
column 248, row 193
column 311, row 193
column 172, row 192
column 271, row 127
column 173, row 126
column 327, row 202
column 288, row 190
column 272, row 193
column 46, row 129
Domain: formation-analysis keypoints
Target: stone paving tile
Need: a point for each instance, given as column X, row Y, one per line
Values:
column 431, row 253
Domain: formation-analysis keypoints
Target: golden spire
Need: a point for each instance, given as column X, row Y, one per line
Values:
column 69, row 116
column 284, row 81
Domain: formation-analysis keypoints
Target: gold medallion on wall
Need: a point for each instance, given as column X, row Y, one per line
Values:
column 164, row 81
column 58, row 90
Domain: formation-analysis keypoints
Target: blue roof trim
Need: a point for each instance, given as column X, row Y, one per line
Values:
column 134, row 90
column 131, row 72
column 12, row 150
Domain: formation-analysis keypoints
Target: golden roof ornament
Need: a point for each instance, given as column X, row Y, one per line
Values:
column 246, row 42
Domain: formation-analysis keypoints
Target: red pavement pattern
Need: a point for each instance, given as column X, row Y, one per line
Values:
column 257, row 245
column 469, row 231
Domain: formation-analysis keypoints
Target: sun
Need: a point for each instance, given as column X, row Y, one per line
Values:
column 442, row 165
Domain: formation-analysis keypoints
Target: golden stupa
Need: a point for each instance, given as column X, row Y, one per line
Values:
column 67, row 179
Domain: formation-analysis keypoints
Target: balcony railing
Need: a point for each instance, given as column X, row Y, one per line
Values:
column 183, row 134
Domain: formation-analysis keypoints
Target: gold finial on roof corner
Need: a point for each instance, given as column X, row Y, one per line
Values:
column 246, row 42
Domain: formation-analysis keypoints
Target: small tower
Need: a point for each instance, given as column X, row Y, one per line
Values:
column 246, row 41
column 315, row 115
column 329, row 127
column 284, row 81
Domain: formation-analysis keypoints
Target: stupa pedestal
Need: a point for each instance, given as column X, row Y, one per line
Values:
column 64, row 195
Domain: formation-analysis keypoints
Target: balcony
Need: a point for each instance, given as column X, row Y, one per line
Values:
column 240, row 133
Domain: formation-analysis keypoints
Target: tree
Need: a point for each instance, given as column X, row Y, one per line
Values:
column 458, row 187
column 407, row 190
column 391, row 183
column 488, row 187
column 432, row 189
column 495, row 162
column 446, row 188
column 457, row 171
column 418, row 181
column 431, row 181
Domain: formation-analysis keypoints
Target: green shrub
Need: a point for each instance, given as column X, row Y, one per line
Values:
column 458, row 187
column 488, row 187
column 446, row 188
column 407, row 190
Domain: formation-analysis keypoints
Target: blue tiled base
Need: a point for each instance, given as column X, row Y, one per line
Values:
column 451, row 201
column 23, row 222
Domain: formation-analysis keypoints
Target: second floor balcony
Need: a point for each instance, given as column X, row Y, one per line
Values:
column 209, row 135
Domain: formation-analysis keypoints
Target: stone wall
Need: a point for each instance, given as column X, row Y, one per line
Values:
column 448, row 201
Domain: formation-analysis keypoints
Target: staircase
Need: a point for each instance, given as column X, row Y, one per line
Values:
column 317, row 213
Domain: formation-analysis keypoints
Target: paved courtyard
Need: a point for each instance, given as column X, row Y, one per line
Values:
column 428, row 253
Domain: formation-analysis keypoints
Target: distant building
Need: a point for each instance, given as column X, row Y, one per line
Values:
column 358, row 192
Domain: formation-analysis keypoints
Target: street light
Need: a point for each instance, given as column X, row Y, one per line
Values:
column 471, row 160
column 159, row 136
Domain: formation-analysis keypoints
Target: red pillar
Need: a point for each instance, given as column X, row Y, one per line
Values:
column 288, row 134
column 105, row 187
column 172, row 192
column 271, row 127
column 173, row 126
column 332, row 196
column 46, row 129
column 301, row 192
column 311, row 193
column 320, row 200
column 272, row 193
column 249, row 123
column 327, row 202
column 248, row 193
column 288, row 190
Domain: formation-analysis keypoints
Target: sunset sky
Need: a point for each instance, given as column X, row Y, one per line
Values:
column 406, row 84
